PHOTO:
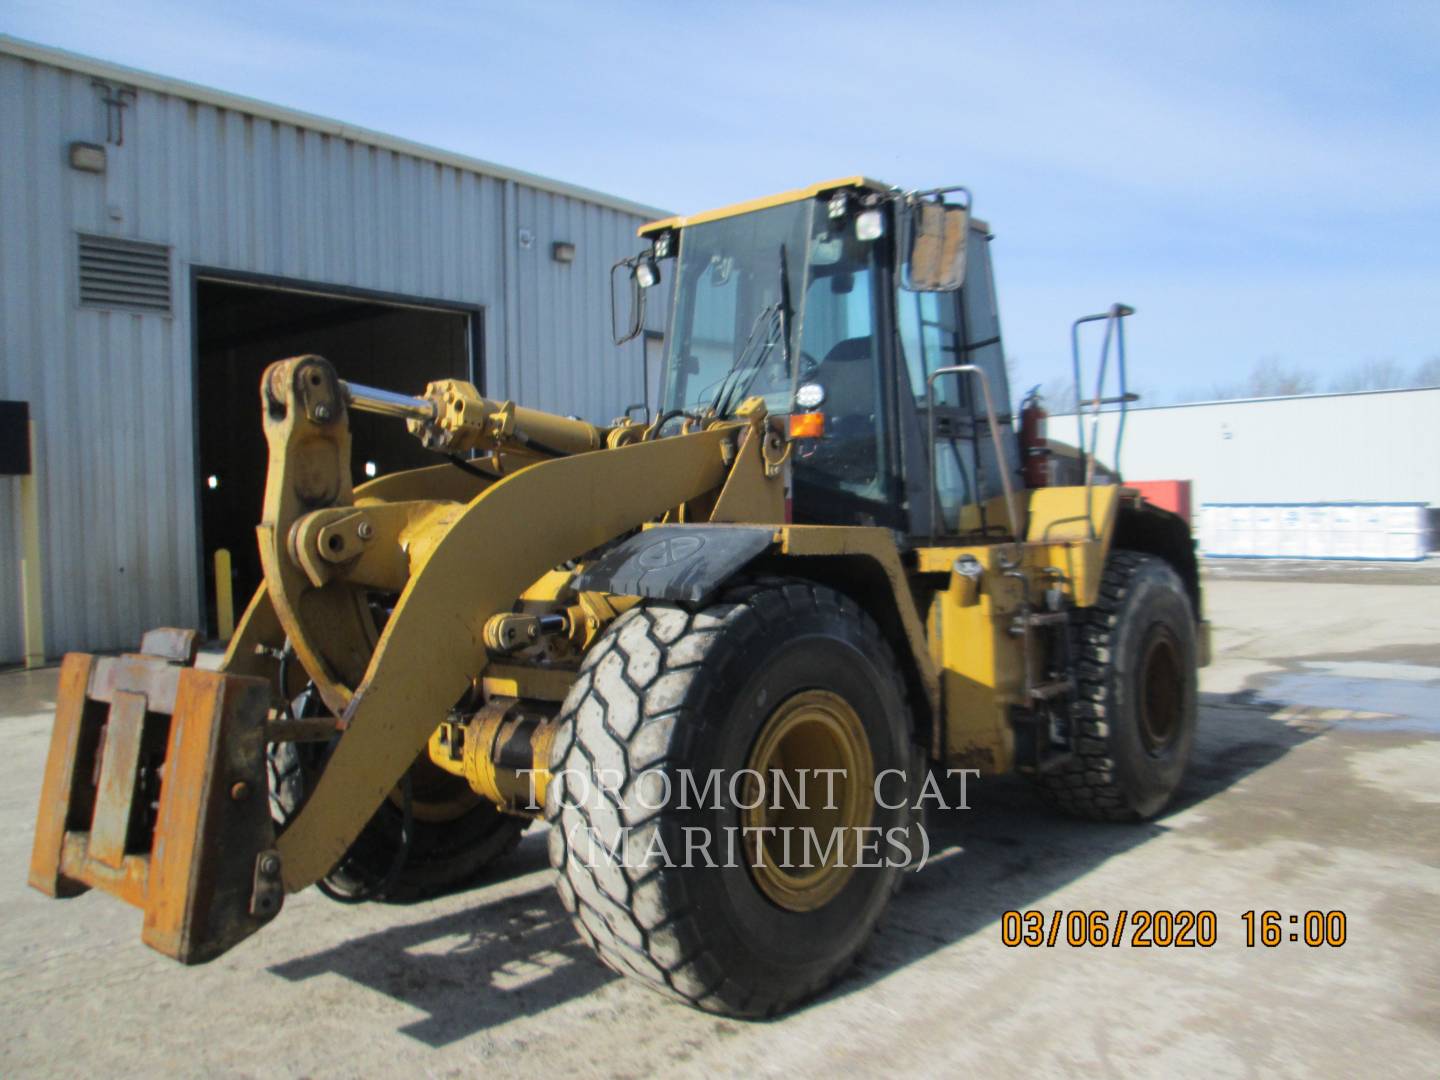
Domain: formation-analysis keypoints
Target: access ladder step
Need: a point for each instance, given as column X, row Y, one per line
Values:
column 1047, row 618
column 1052, row 690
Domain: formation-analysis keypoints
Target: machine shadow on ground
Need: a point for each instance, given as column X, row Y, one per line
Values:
column 476, row 968
column 480, row 967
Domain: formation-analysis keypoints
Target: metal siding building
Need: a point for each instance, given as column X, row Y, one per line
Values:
column 1375, row 446
column 235, row 187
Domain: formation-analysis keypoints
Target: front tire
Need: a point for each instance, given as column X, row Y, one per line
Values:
column 454, row 835
column 783, row 674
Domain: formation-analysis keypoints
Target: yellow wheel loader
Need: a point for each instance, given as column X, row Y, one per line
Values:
column 723, row 650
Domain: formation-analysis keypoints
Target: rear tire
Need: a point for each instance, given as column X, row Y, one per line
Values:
column 788, row 670
column 1136, row 694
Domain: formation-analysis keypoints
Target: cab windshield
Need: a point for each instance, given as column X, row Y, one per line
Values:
column 739, row 284
column 775, row 299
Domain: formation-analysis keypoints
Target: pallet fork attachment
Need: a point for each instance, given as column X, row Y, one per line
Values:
column 155, row 792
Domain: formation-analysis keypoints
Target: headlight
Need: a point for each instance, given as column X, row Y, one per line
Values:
column 869, row 225
column 810, row 396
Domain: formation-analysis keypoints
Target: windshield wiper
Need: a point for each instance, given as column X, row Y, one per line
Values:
column 743, row 361
column 773, row 317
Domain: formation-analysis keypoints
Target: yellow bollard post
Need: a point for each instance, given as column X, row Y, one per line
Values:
column 32, row 600
column 224, row 595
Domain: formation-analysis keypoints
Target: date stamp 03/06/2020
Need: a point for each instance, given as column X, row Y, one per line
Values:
column 1165, row 929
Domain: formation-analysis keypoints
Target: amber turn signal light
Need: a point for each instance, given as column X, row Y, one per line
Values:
column 807, row 425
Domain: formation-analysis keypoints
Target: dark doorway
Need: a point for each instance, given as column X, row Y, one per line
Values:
column 242, row 328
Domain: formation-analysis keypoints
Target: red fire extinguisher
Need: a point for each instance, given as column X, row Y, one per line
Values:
column 1034, row 449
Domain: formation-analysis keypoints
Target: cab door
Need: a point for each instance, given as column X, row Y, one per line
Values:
column 851, row 476
column 944, row 329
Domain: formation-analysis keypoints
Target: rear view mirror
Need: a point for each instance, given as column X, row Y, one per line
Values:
column 634, row 289
column 933, row 244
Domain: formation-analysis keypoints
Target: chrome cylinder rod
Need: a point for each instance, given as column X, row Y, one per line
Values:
column 387, row 402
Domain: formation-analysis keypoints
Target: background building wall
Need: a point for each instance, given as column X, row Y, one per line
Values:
column 237, row 185
column 1380, row 446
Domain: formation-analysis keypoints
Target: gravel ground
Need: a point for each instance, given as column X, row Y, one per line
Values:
column 1314, row 787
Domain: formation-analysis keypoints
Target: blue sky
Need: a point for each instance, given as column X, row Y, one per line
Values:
column 1258, row 180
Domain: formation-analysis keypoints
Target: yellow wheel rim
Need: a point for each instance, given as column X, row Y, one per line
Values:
column 811, row 731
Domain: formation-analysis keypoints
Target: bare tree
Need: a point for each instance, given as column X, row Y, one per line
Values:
column 1056, row 391
column 1384, row 374
column 1059, row 394
column 1271, row 378
column 1428, row 373
column 1217, row 392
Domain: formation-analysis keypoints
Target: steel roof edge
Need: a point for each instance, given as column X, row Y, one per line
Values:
column 1253, row 400
column 160, row 84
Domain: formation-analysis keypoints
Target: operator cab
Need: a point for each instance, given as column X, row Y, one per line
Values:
column 838, row 303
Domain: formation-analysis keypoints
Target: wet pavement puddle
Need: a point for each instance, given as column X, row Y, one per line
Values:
column 1357, row 694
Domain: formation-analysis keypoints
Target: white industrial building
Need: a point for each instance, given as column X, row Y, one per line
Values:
column 160, row 242
column 1378, row 449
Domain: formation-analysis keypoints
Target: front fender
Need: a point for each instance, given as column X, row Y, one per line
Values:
column 676, row 562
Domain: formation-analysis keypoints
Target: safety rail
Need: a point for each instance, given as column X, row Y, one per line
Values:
column 1114, row 331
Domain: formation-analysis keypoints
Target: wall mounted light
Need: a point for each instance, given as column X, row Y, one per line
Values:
column 87, row 157
column 562, row 251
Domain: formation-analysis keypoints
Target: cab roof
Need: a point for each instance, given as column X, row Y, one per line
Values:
column 795, row 195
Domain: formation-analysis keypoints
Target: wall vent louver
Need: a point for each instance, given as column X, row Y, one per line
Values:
column 128, row 274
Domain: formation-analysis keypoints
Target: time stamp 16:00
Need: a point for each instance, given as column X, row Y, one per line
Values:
column 1164, row 929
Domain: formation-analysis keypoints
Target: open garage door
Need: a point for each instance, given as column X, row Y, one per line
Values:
column 240, row 329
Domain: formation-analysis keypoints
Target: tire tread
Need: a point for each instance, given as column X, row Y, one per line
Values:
column 660, row 946
column 1086, row 785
